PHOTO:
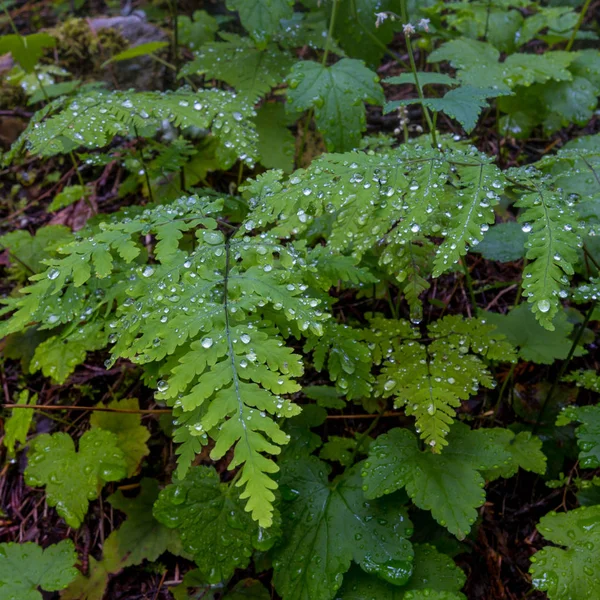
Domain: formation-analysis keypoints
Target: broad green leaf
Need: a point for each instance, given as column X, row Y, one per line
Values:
column 433, row 572
column 16, row 427
column 28, row 251
column 25, row 567
column 58, row 356
column 141, row 537
column 524, row 449
column 246, row 589
column 53, row 90
column 197, row 30
column 336, row 94
column 449, row 485
column 261, row 18
column 72, row 479
column 26, row 49
column 214, row 527
column 535, row 343
column 131, row 434
column 356, row 31
column 588, row 433
column 330, row 525
column 69, row 195
column 137, row 51
column 464, row 104
column 252, row 71
column 568, row 102
column 572, row 572
column 90, row 587
column 339, row 449
column 276, row 143
column 504, row 242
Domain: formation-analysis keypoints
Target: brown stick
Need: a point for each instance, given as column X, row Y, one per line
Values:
column 157, row 411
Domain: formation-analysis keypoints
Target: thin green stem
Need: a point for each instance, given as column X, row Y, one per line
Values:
column 414, row 70
column 364, row 435
column 565, row 364
column 503, row 388
column 469, row 282
column 309, row 118
column 578, row 24
column 334, row 7
column 146, row 174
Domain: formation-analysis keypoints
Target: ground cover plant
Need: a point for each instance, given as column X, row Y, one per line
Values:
column 300, row 300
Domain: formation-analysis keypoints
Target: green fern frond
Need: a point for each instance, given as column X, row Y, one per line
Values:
column 388, row 202
column 432, row 378
column 551, row 248
column 347, row 357
column 93, row 119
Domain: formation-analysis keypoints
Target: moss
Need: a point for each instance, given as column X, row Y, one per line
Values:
column 82, row 51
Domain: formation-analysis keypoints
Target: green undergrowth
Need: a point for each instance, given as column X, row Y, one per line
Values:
column 257, row 289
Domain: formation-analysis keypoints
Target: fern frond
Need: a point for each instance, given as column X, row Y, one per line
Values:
column 432, row 378
column 388, row 202
column 551, row 222
column 93, row 119
column 347, row 357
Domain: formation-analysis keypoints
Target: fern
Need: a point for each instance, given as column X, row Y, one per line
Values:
column 550, row 220
column 390, row 201
column 219, row 311
column 432, row 378
column 94, row 119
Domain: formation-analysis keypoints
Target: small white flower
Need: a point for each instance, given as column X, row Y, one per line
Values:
column 381, row 17
column 424, row 24
column 408, row 29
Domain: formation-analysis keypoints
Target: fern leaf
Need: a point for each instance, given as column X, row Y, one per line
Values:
column 588, row 433
column 551, row 246
column 432, row 379
column 94, row 119
column 336, row 94
column 478, row 65
column 212, row 309
column 348, row 359
column 587, row 379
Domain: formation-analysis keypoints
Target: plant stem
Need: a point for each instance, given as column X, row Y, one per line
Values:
column 157, row 411
column 413, row 67
column 146, row 175
column 578, row 25
column 565, row 364
column 334, row 7
column 503, row 388
column 364, row 436
column 469, row 282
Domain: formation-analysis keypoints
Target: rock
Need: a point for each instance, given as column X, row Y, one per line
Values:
column 143, row 73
